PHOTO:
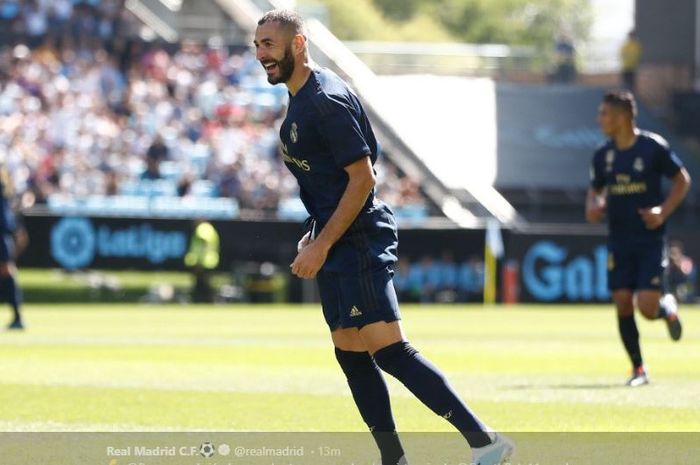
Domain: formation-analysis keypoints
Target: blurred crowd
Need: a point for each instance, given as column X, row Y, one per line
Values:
column 439, row 280
column 83, row 116
column 79, row 21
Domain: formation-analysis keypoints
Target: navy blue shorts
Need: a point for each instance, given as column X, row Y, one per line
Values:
column 353, row 300
column 355, row 283
column 636, row 264
column 6, row 246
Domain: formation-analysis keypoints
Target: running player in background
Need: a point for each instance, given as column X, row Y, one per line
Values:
column 626, row 178
column 11, row 236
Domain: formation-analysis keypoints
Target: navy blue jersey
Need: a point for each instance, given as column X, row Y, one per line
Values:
column 325, row 130
column 632, row 179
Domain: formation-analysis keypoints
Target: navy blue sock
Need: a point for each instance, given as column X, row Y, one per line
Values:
column 12, row 294
column 429, row 385
column 630, row 339
column 372, row 399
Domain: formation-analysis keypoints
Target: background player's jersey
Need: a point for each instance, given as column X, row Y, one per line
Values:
column 7, row 218
column 325, row 130
column 632, row 179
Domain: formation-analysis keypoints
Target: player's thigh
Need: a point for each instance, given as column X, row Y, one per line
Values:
column 648, row 302
column 367, row 297
column 624, row 301
column 380, row 334
column 331, row 301
column 622, row 266
column 651, row 264
column 7, row 266
column 348, row 339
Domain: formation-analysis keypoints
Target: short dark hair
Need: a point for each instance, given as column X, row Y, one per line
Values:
column 289, row 20
column 622, row 100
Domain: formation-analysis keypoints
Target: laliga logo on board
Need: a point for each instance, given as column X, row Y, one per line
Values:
column 75, row 243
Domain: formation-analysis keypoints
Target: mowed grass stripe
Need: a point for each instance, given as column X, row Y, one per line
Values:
column 283, row 412
column 527, row 359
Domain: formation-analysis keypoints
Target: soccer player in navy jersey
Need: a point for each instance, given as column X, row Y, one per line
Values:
column 626, row 175
column 350, row 248
column 9, row 290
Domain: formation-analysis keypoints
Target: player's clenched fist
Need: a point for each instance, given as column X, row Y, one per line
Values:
column 309, row 260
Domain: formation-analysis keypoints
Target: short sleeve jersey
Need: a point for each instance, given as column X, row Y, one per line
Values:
column 632, row 178
column 325, row 130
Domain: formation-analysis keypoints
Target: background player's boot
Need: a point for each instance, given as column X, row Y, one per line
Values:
column 16, row 324
column 496, row 453
column 639, row 377
column 675, row 329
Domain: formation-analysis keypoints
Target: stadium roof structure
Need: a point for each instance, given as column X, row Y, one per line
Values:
column 478, row 147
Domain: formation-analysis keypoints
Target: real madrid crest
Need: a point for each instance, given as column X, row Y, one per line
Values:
column 638, row 164
column 293, row 135
column 609, row 159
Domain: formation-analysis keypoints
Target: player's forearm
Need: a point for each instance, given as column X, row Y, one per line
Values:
column 349, row 207
column 679, row 189
column 594, row 206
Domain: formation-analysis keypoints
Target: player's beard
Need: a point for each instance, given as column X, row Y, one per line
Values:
column 285, row 67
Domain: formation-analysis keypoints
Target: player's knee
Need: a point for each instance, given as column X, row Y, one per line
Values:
column 5, row 269
column 648, row 303
column 624, row 302
column 650, row 309
column 355, row 364
column 624, row 308
column 390, row 358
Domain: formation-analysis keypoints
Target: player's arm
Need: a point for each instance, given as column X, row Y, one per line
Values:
column 596, row 197
column 361, row 181
column 595, row 204
column 656, row 216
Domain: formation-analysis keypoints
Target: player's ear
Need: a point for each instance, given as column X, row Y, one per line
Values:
column 299, row 43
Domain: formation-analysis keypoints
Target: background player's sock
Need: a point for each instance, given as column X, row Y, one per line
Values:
column 12, row 294
column 630, row 339
column 428, row 384
column 372, row 399
column 663, row 312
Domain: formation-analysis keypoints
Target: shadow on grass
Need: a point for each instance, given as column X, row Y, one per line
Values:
column 533, row 387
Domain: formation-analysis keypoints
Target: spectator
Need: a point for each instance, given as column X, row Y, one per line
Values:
column 152, row 171
column 415, row 281
column 158, row 150
column 404, row 291
column 630, row 56
column 470, row 285
column 447, row 283
column 202, row 258
column 565, row 60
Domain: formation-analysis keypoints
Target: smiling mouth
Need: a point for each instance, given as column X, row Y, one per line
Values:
column 269, row 67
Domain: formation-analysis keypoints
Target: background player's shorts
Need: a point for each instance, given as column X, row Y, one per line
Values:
column 6, row 246
column 353, row 300
column 636, row 264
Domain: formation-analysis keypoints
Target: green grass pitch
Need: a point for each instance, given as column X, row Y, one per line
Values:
column 117, row 367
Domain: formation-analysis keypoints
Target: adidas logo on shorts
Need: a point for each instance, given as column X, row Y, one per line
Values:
column 354, row 311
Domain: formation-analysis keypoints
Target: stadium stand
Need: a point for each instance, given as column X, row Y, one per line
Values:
column 114, row 94
column 130, row 128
